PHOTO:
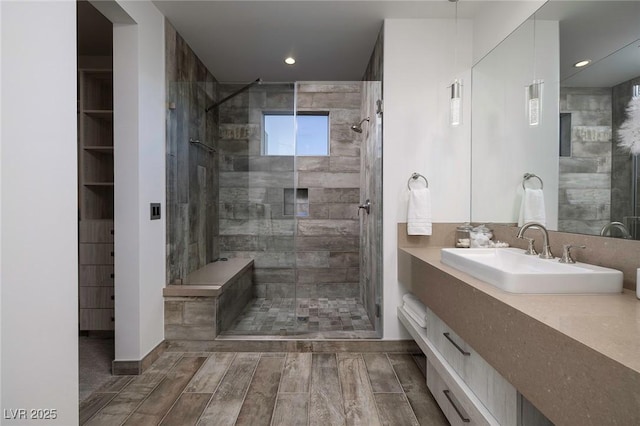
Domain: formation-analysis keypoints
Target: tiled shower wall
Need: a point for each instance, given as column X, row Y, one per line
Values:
column 585, row 177
column 622, row 167
column 323, row 261
column 192, row 172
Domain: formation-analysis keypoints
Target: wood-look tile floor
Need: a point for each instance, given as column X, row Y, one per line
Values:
column 225, row 388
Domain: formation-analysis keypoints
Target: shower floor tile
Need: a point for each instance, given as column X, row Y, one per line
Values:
column 317, row 314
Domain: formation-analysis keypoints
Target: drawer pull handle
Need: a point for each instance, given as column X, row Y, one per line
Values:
column 112, row 275
column 113, row 298
column 462, row 351
column 111, row 254
column 447, row 393
column 111, row 232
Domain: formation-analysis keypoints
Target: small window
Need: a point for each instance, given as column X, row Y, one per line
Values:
column 312, row 137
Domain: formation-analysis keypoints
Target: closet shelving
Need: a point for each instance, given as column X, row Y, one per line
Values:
column 95, row 194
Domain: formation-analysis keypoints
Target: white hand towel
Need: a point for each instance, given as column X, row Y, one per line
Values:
column 532, row 208
column 419, row 212
column 421, row 322
column 415, row 306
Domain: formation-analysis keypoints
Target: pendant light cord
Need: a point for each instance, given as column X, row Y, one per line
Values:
column 534, row 47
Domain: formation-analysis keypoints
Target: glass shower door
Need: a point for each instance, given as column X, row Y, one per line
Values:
column 256, row 197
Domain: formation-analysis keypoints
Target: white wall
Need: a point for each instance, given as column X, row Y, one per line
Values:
column 505, row 147
column 139, row 150
column 39, row 209
column 418, row 68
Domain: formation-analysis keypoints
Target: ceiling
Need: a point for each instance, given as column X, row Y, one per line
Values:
column 606, row 32
column 331, row 40
column 240, row 41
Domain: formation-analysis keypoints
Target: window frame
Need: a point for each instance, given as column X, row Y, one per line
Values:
column 295, row 115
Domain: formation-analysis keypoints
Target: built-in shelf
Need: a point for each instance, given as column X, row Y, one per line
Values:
column 96, row 194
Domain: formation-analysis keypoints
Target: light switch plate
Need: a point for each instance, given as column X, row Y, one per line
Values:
column 155, row 211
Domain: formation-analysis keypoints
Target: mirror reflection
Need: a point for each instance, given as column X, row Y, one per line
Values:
column 590, row 182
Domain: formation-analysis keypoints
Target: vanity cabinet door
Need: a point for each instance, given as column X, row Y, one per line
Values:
column 495, row 392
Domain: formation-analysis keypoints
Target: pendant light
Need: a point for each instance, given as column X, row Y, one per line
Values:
column 533, row 92
column 455, row 101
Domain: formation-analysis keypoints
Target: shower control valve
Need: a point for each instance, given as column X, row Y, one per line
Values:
column 366, row 206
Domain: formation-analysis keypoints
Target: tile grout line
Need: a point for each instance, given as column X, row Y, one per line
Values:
column 344, row 411
column 235, row 355
column 404, row 394
column 182, row 392
column 107, row 403
column 373, row 395
column 154, row 388
column 248, row 387
column 275, row 404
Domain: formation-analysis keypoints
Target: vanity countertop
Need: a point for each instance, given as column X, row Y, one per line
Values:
column 608, row 323
column 581, row 354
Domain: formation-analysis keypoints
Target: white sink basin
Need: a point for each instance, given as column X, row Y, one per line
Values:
column 511, row 270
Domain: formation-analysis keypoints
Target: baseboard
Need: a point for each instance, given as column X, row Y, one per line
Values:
column 282, row 345
column 133, row 368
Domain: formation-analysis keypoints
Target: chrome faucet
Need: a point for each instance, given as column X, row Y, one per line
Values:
column 623, row 229
column 546, row 250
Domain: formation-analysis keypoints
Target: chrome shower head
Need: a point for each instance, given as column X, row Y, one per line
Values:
column 358, row 127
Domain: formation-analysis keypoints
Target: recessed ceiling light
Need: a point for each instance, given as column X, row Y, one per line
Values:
column 582, row 63
column 289, row 61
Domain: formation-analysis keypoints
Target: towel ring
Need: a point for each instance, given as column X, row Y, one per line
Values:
column 528, row 176
column 416, row 176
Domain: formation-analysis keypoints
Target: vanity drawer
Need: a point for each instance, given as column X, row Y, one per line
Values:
column 457, row 408
column 493, row 390
column 448, row 343
column 96, row 231
column 96, row 275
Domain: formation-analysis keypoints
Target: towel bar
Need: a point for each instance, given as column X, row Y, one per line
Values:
column 416, row 176
column 528, row 176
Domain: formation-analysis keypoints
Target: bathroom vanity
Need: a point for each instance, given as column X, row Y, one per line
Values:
column 576, row 357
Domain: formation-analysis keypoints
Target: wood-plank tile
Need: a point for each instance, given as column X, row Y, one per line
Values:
column 115, row 384
column 261, row 397
column 415, row 388
column 153, row 409
column 120, row 407
column 227, row 400
column 381, row 374
column 395, row 410
column 93, row 404
column 325, row 407
column 207, row 379
column 297, row 373
column 187, row 409
column 292, row 409
column 164, row 363
column 359, row 404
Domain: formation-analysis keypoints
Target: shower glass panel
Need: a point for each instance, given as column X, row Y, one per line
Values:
column 247, row 179
column 257, row 191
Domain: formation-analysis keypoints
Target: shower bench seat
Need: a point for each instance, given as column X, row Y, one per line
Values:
column 208, row 300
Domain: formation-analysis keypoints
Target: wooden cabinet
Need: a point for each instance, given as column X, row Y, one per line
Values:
column 95, row 199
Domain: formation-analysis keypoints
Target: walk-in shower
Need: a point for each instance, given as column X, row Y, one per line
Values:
column 280, row 185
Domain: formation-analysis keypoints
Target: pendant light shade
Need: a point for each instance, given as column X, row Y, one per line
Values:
column 455, row 103
column 534, row 102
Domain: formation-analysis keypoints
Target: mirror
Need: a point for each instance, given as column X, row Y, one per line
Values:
column 588, row 180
